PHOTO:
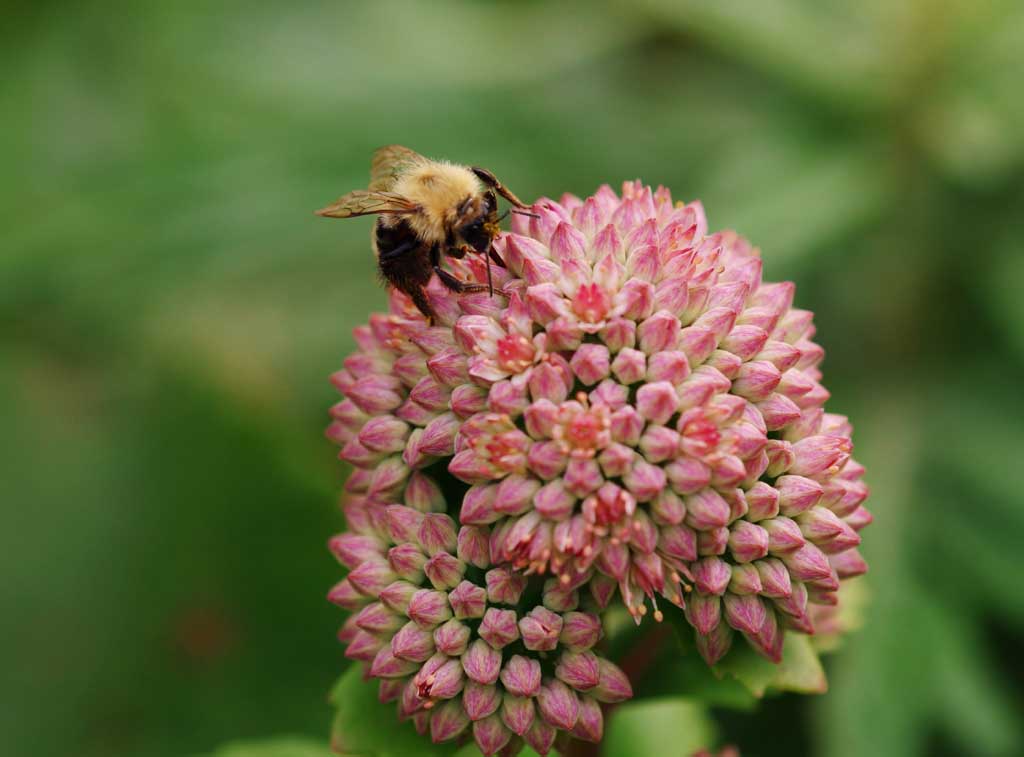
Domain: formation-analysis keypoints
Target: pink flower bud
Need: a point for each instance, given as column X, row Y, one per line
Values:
column 429, row 608
column 482, row 662
column 467, row 600
column 412, row 643
column 517, row 712
column 407, row 561
column 706, row 510
column 403, row 523
column 578, row 669
column 498, row 627
column 703, row 612
column 657, row 402
column 515, row 494
column 364, row 647
column 613, row 686
column 816, row 454
column 714, row 645
column 745, row 580
column 377, row 618
column 452, row 638
column 384, row 433
column 472, row 546
column 371, row 576
column 679, row 542
column 558, row 704
column 504, row 586
column 629, row 366
column 396, row 595
column 848, row 564
column 386, row 665
column 590, row 724
column 711, row 575
column 762, row 502
column 783, row 535
column 591, row 363
column 553, row 502
column 437, row 533
column 747, row 542
column 447, row 721
column 376, row 394
column 559, row 598
column 521, row 676
column 541, row 736
column 807, row 563
column 775, row 581
column 580, row 630
column 352, row 549
column 491, row 735
column 540, row 629
column 480, row 700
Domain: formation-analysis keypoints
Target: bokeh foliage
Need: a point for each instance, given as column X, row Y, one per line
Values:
column 169, row 311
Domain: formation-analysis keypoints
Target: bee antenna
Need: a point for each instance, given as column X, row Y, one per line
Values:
column 524, row 213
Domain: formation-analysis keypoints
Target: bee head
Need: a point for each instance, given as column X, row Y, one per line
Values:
column 477, row 225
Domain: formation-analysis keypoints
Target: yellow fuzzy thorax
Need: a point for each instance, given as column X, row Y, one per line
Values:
column 438, row 188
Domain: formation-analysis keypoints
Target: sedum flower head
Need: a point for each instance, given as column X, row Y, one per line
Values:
column 634, row 412
column 461, row 646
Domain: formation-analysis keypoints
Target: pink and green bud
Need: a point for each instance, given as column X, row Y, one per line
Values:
column 482, row 662
column 521, row 676
column 558, row 704
column 540, row 629
column 491, row 735
column 448, row 721
column 412, row 643
column 498, row 627
column 353, row 549
column 467, row 600
column 472, row 546
column 397, row 595
column 480, row 700
column 444, row 570
column 370, row 577
column 407, row 561
column 518, row 712
column 452, row 637
column 437, row 533
column 377, row 618
column 590, row 723
column 613, row 685
column 504, row 586
column 579, row 670
column 429, row 608
column 580, row 630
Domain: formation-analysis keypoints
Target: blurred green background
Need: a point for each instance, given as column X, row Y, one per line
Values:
column 170, row 311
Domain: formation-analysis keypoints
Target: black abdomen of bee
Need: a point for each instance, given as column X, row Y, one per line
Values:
column 404, row 261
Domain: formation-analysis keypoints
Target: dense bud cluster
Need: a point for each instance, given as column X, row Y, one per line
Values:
column 633, row 412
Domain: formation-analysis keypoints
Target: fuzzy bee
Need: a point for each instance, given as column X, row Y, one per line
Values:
column 426, row 208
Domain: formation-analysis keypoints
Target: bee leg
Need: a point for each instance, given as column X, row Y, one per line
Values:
column 450, row 281
column 491, row 180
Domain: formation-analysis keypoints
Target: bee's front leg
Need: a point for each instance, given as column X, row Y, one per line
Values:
column 450, row 281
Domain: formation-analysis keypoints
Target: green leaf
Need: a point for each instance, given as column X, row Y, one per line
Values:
column 280, row 747
column 800, row 669
column 366, row 727
column 671, row 725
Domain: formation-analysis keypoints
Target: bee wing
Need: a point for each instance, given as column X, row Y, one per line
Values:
column 363, row 202
column 389, row 163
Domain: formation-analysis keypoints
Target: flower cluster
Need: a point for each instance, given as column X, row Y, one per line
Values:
column 457, row 643
column 633, row 412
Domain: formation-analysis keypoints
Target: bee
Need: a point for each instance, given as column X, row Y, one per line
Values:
column 425, row 209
